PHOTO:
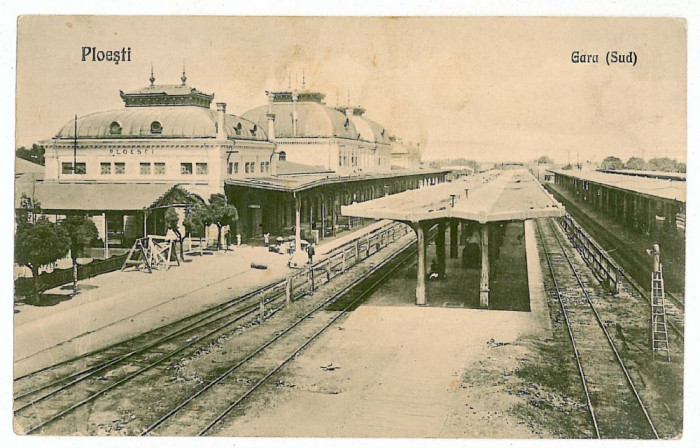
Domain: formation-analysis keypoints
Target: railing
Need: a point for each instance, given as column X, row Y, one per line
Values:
column 338, row 261
column 24, row 286
column 607, row 271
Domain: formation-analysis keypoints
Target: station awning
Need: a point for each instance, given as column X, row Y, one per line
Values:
column 93, row 196
column 494, row 196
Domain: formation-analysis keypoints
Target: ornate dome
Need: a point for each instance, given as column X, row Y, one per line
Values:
column 313, row 119
column 159, row 122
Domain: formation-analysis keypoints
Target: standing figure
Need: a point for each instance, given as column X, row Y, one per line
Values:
column 311, row 252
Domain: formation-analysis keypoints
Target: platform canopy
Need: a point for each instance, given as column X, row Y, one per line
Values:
column 653, row 187
column 488, row 197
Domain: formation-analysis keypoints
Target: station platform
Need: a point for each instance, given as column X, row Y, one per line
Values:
column 115, row 306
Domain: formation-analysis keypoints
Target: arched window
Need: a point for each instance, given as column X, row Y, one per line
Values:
column 156, row 127
column 115, row 128
column 283, row 156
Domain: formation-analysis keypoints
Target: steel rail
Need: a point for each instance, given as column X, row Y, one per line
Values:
column 253, row 310
column 236, row 366
column 607, row 335
column 263, row 380
column 92, row 370
column 591, row 410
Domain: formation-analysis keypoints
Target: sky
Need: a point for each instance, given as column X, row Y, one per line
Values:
column 490, row 89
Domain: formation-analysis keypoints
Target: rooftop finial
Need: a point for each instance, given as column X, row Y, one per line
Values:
column 152, row 78
column 303, row 80
column 184, row 77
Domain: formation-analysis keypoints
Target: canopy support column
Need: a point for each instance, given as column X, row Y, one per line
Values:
column 421, row 299
column 484, row 288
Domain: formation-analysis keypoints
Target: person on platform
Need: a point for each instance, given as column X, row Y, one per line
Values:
column 266, row 238
column 311, row 251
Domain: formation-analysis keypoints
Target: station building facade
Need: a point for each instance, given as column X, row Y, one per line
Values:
column 309, row 132
column 287, row 165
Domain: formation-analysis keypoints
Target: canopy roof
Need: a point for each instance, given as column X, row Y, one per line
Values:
column 494, row 196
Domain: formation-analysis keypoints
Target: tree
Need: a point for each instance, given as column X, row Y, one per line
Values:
column 544, row 160
column 172, row 221
column 36, row 154
column 81, row 232
column 196, row 220
column 611, row 163
column 39, row 244
column 636, row 163
column 663, row 164
column 221, row 213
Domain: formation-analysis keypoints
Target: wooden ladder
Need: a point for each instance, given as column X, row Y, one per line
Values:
column 659, row 330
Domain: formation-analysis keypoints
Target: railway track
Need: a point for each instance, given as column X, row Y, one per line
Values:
column 91, row 376
column 52, row 394
column 613, row 401
column 200, row 413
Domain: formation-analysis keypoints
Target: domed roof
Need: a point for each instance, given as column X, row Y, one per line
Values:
column 313, row 120
column 369, row 130
column 160, row 122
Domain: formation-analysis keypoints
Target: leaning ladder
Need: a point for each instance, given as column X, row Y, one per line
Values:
column 659, row 330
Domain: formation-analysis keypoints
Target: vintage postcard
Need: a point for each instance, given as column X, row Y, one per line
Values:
column 350, row 227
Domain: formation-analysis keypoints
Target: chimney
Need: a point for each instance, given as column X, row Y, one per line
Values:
column 221, row 121
column 270, row 126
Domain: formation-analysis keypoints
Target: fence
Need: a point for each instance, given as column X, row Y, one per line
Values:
column 597, row 259
column 24, row 286
column 339, row 261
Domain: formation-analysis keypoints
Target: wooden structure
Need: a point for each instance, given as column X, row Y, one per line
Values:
column 152, row 252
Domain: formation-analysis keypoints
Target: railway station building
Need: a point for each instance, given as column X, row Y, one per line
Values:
column 288, row 166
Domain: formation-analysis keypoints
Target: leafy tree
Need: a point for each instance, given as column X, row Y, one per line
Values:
column 35, row 154
column 663, row 164
column 612, row 163
column 221, row 213
column 38, row 245
column 636, row 163
column 29, row 210
column 196, row 220
column 172, row 221
column 218, row 212
column 81, row 232
column 544, row 160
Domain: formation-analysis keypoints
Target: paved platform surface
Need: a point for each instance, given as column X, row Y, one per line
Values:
column 398, row 374
column 115, row 306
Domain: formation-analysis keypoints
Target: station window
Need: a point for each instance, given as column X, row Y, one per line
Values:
column 185, row 168
column 156, row 127
column 247, row 167
column 202, row 168
column 145, row 168
column 235, row 167
column 119, row 168
column 159, row 168
column 283, row 156
column 105, row 168
column 66, row 168
column 252, row 167
column 80, row 168
column 229, row 170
